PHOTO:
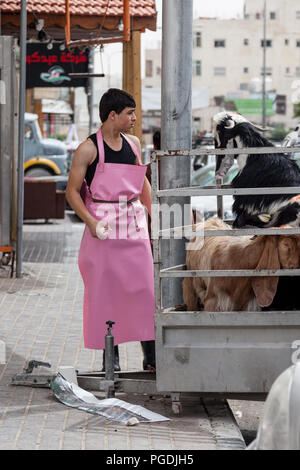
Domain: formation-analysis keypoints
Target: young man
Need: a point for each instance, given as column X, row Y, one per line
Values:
column 117, row 270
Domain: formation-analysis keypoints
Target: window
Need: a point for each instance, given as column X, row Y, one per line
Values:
column 281, row 104
column 257, row 16
column 197, row 39
column 297, row 72
column 287, row 70
column 244, row 86
column 220, row 42
column 158, row 71
column 286, row 42
column 219, row 71
column 298, row 43
column 246, row 42
column 149, row 68
column 267, row 43
column 298, row 15
column 246, row 70
column 197, row 68
column 272, row 15
column 269, row 71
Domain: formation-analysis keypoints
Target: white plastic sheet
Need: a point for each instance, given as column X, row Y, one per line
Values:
column 111, row 408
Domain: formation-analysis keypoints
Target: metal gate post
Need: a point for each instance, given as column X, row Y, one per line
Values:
column 176, row 118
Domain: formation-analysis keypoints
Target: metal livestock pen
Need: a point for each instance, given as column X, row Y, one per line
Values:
column 219, row 354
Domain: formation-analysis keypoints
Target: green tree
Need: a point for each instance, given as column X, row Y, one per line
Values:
column 297, row 110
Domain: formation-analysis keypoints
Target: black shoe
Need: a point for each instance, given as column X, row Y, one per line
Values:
column 148, row 348
column 116, row 360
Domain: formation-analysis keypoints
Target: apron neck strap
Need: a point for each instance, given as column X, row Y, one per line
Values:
column 100, row 150
column 134, row 148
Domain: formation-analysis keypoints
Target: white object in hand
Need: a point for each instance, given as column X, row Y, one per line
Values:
column 102, row 230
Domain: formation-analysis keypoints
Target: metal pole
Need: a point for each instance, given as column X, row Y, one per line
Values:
column 23, row 36
column 176, row 121
column 264, row 120
column 91, row 90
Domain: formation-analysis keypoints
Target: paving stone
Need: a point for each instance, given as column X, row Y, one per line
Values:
column 41, row 318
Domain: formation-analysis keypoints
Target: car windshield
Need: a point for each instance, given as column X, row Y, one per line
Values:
column 206, row 175
column 38, row 130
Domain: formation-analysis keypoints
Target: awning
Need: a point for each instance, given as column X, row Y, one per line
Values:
column 252, row 106
column 87, row 16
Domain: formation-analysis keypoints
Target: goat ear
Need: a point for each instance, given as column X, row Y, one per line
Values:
column 288, row 252
column 265, row 287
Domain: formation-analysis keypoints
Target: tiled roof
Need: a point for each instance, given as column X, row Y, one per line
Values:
column 140, row 8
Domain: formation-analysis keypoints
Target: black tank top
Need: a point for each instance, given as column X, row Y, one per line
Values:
column 125, row 155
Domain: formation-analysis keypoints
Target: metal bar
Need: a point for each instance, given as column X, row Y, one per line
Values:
column 196, row 191
column 230, row 273
column 86, row 75
column 84, row 42
column 22, row 86
column 155, row 225
column 220, row 208
column 237, row 232
column 235, row 151
column 7, row 113
column 233, row 318
column 176, row 122
column 264, row 111
column 91, row 90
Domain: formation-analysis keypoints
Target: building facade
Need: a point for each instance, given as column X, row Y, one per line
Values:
column 228, row 59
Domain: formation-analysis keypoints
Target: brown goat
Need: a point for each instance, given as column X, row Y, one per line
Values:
column 244, row 252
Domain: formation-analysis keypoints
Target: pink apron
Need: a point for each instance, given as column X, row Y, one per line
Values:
column 118, row 271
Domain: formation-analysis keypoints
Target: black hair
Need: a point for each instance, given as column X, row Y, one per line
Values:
column 114, row 100
column 156, row 140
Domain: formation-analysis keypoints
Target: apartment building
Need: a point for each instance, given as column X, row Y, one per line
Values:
column 228, row 60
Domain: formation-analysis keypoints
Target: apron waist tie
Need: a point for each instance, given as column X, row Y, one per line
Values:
column 131, row 201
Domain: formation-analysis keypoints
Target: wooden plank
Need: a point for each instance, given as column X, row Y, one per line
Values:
column 132, row 77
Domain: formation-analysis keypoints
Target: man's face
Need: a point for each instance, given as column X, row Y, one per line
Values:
column 126, row 119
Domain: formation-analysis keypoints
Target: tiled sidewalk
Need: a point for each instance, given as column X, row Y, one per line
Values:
column 41, row 318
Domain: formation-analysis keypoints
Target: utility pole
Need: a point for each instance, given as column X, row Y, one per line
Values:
column 264, row 113
column 176, row 124
column 22, row 87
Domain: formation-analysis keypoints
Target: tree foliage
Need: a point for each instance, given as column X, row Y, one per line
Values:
column 297, row 110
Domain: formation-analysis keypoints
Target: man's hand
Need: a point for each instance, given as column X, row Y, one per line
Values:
column 92, row 227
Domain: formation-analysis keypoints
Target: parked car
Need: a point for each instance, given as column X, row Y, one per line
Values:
column 43, row 157
column 206, row 206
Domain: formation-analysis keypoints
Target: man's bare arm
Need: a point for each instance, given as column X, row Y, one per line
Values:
column 83, row 156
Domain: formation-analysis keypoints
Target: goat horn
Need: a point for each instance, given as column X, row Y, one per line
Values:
column 230, row 124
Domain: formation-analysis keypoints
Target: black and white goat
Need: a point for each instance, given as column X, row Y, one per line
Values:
column 256, row 171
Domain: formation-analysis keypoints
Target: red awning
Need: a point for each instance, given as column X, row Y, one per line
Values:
column 86, row 16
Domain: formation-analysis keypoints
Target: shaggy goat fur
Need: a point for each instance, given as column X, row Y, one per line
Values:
column 227, row 253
